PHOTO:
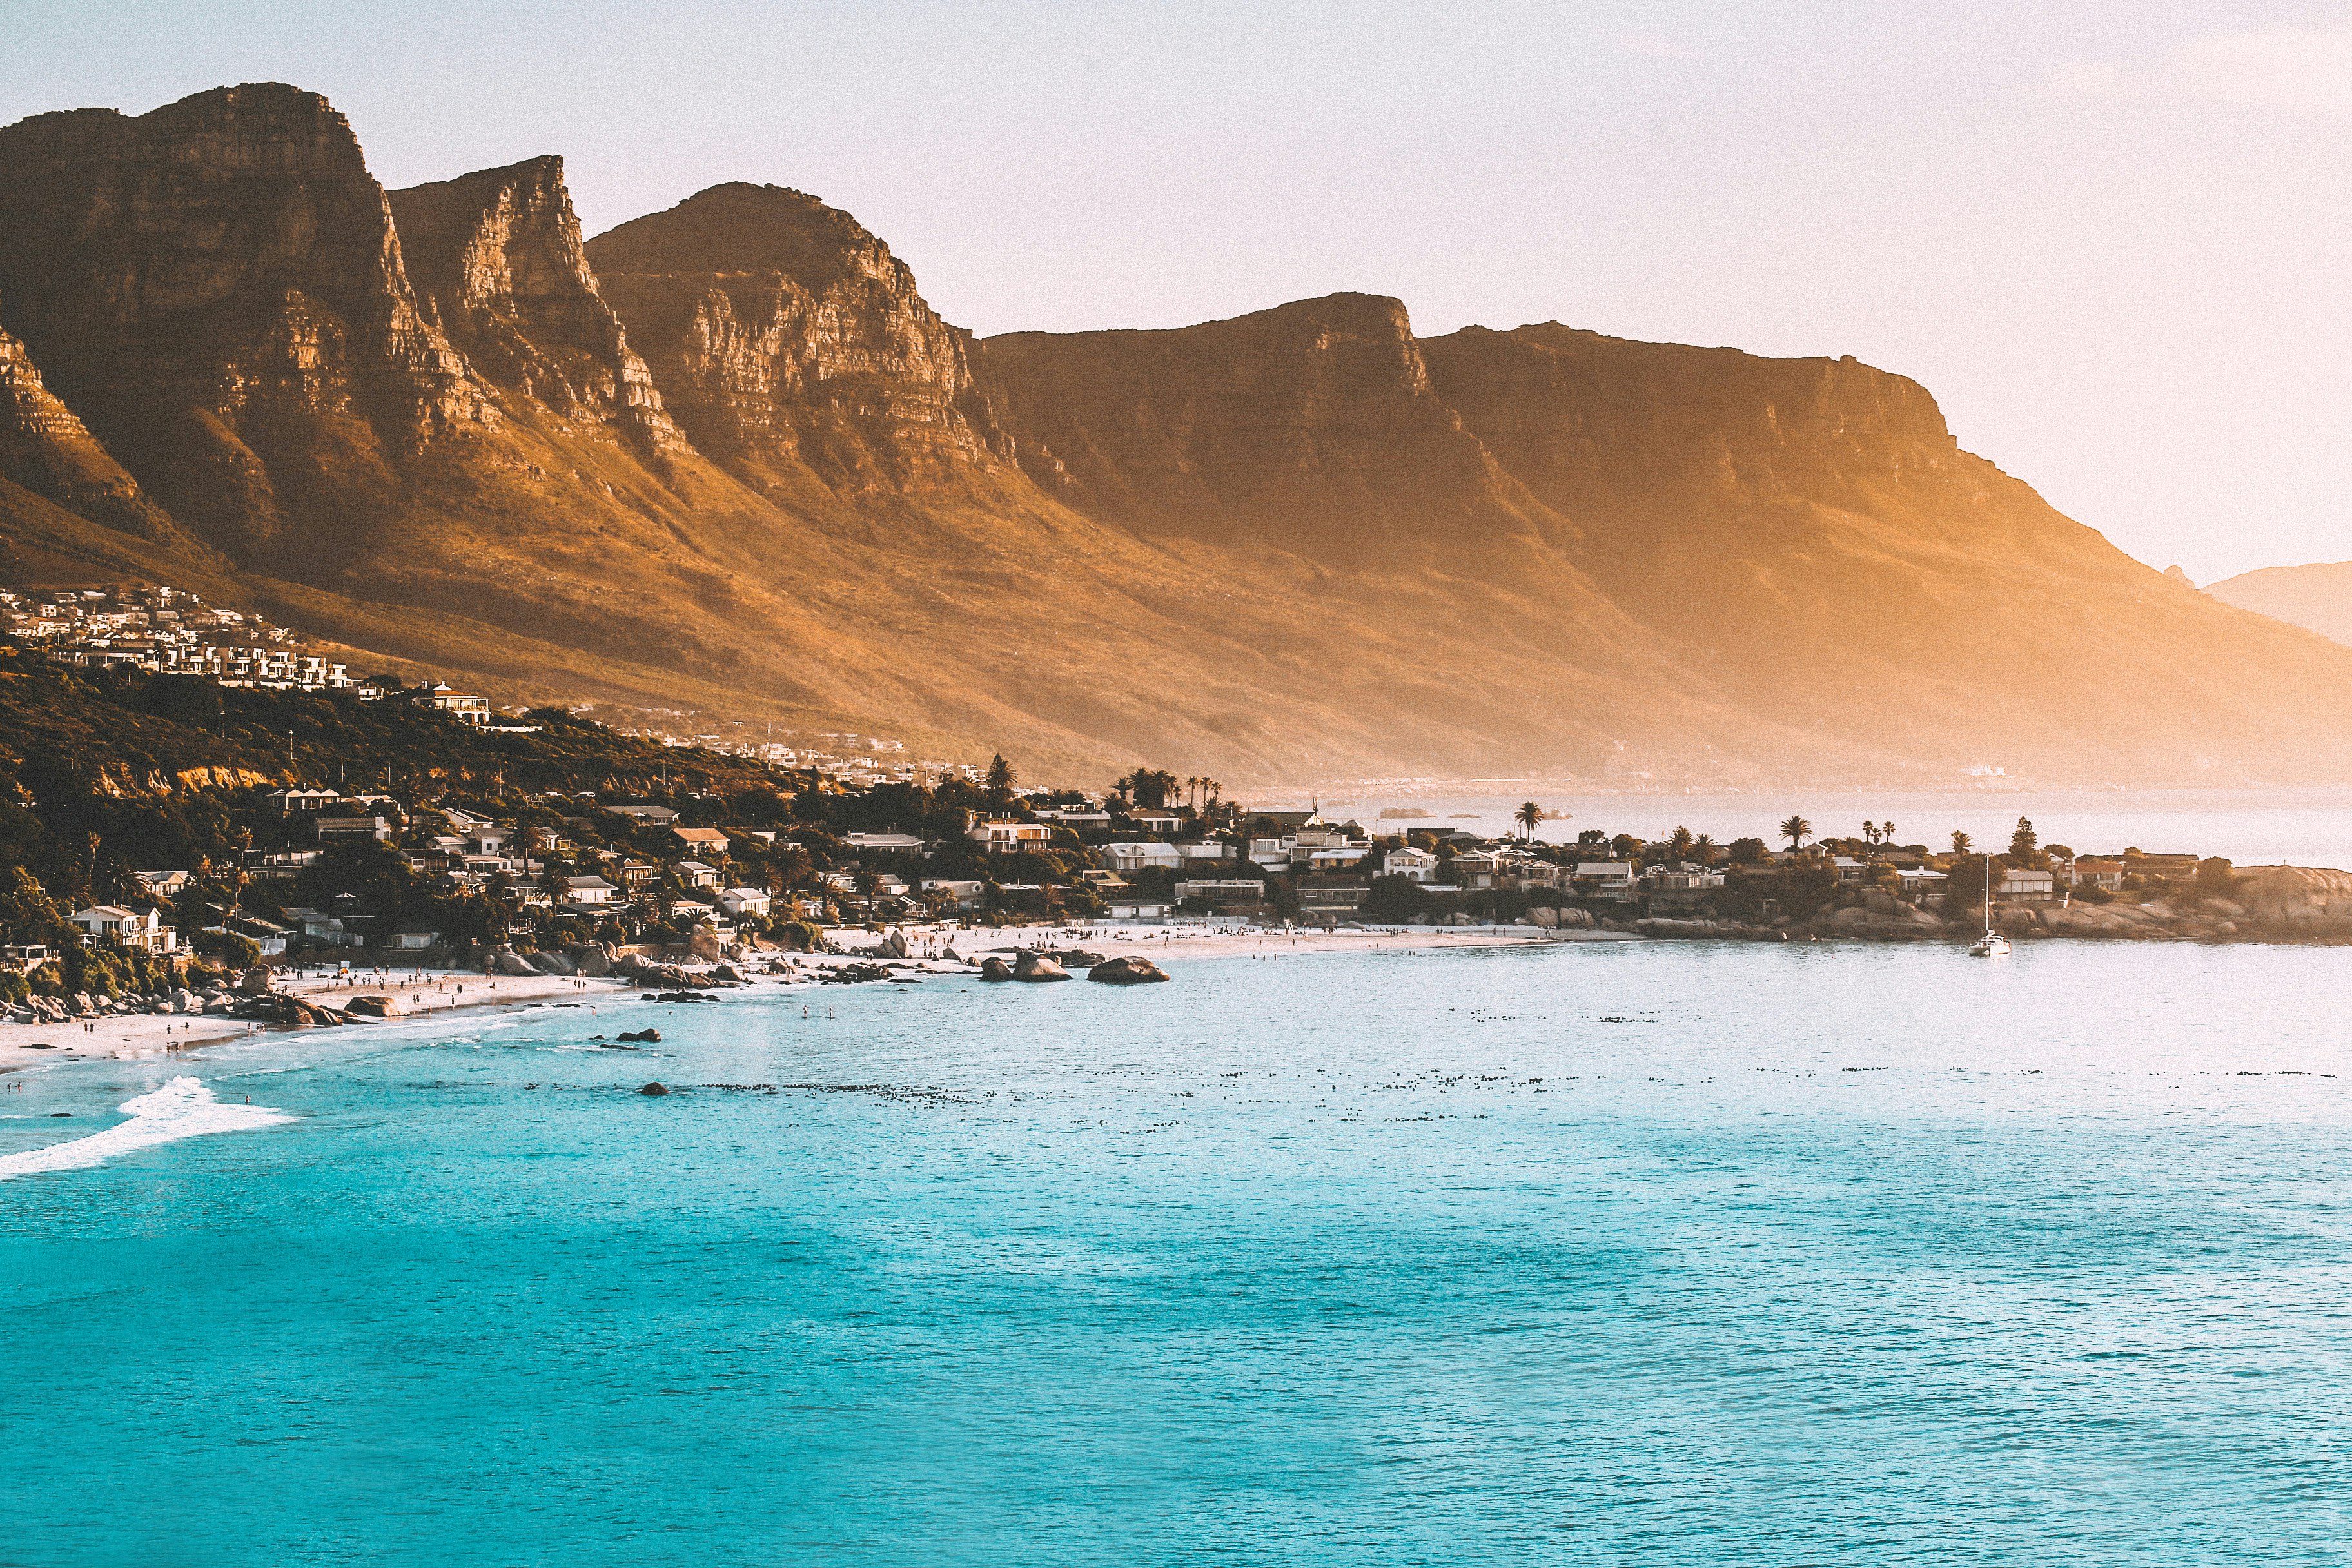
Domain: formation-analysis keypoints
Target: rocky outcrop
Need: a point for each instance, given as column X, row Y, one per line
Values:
column 1127, row 971
column 790, row 342
column 2299, row 897
column 216, row 288
column 1037, row 966
column 496, row 258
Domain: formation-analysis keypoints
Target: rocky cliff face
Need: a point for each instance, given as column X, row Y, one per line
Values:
column 789, row 341
column 1575, row 415
column 216, row 289
column 47, row 449
column 497, row 257
column 1310, row 429
column 1308, row 544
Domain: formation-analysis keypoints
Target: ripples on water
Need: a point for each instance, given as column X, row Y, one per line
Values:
column 1647, row 1253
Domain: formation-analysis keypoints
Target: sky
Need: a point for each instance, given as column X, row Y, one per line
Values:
column 2110, row 235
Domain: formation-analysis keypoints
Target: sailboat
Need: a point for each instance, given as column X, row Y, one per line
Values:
column 1992, row 944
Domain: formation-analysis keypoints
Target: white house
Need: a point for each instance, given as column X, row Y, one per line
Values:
column 695, row 874
column 882, row 843
column 965, row 894
column 1419, row 865
column 1205, row 849
column 1605, row 878
column 142, row 929
column 1004, row 838
column 588, row 890
column 739, row 902
column 1274, row 854
column 1127, row 858
column 1129, row 906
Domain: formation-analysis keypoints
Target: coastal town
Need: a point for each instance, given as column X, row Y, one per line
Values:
column 563, row 846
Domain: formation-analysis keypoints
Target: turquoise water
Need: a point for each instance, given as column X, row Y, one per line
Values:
column 1645, row 1253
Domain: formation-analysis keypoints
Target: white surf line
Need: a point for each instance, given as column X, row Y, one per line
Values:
column 182, row 1108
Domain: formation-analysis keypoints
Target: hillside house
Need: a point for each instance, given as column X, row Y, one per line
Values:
column 742, row 902
column 1129, row 858
column 125, row 926
column 1417, row 865
column 1006, row 837
column 1328, row 897
column 2024, row 885
column 1611, row 880
column 588, row 892
column 700, row 841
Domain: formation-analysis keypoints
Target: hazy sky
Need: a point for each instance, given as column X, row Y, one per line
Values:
column 2111, row 236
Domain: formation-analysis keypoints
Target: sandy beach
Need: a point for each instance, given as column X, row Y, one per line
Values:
column 418, row 993
column 429, row 993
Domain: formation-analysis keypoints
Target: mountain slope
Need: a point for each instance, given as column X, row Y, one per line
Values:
column 2317, row 597
column 727, row 457
column 1812, row 525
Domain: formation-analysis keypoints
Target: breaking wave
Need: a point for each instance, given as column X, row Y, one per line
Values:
column 182, row 1108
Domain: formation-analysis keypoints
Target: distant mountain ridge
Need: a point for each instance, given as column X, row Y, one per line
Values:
column 2318, row 597
column 727, row 456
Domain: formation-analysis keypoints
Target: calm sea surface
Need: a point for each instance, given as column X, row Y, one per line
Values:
column 1643, row 1253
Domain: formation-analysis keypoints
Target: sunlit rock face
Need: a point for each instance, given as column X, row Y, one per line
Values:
column 497, row 257
column 788, row 338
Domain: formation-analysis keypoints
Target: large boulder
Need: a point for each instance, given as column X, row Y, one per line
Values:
column 994, row 968
column 1544, row 916
column 1129, row 971
column 1658, row 926
column 2300, row 897
column 895, row 945
column 1037, row 966
column 550, row 963
column 513, row 963
column 705, row 945
column 256, row 982
column 372, row 1006
column 590, row 959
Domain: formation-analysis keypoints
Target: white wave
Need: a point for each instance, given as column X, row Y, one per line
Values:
column 182, row 1108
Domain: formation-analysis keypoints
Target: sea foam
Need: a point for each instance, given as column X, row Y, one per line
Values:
column 182, row 1108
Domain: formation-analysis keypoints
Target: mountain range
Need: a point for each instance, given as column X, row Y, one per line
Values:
column 726, row 457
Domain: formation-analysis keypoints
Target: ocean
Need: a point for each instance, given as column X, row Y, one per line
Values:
column 1667, row 1253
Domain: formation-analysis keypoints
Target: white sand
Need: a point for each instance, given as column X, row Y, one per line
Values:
column 424, row 992
column 416, row 992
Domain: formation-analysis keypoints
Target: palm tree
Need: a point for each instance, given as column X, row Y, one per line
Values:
column 1886, row 833
column 1529, row 816
column 1000, row 775
column 1678, row 845
column 1704, row 849
column 1796, row 829
column 1870, row 833
column 1962, row 843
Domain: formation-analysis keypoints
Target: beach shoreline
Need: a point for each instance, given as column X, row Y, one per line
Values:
column 426, row 993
